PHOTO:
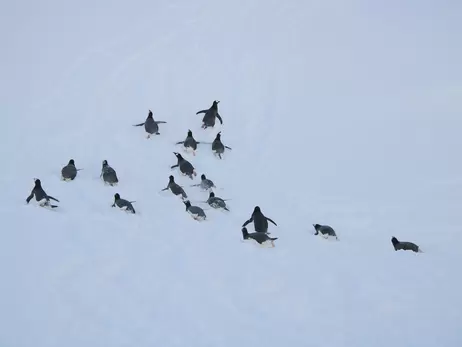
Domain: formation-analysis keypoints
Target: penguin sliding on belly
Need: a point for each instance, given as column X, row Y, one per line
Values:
column 195, row 211
column 108, row 174
column 325, row 231
column 260, row 238
column 210, row 115
column 123, row 204
column 69, row 172
column 150, row 125
column 175, row 188
column 185, row 166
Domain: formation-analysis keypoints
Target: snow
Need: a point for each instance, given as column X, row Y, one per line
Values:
column 344, row 113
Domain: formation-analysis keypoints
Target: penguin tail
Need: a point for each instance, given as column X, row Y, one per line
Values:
column 273, row 238
column 420, row 250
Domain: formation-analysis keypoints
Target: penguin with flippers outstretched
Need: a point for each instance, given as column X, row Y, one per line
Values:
column 260, row 221
column 206, row 184
column 150, row 125
column 216, row 202
column 175, row 188
column 218, row 147
column 210, row 115
column 40, row 195
column 190, row 142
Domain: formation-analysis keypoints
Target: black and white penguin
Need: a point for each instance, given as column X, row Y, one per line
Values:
column 189, row 143
column 261, row 238
column 216, row 202
column 405, row 246
column 218, row 147
column 175, row 188
column 185, row 166
column 40, row 195
column 69, row 172
column 325, row 230
column 195, row 211
column 150, row 125
column 260, row 221
column 210, row 115
column 205, row 184
column 123, row 204
column 108, row 174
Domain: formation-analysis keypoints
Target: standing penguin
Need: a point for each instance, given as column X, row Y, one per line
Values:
column 189, row 142
column 123, row 204
column 216, row 202
column 217, row 146
column 405, row 246
column 260, row 221
column 205, row 184
column 69, row 172
column 210, row 115
column 185, row 166
column 324, row 230
column 108, row 174
column 175, row 188
column 150, row 125
column 40, row 195
column 195, row 211
column 261, row 238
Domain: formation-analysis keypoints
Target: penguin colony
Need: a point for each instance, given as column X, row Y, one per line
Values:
column 151, row 126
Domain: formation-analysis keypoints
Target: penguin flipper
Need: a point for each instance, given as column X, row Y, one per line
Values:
column 52, row 198
column 219, row 118
column 138, row 125
column 228, row 147
column 160, row 122
column 179, row 143
column 203, row 111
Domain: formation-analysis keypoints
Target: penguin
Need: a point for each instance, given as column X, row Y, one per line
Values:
column 217, row 146
column 325, row 231
column 40, row 195
column 216, row 202
column 260, row 221
column 205, row 184
column 69, row 172
column 261, row 238
column 175, row 188
column 195, row 211
column 150, row 125
column 405, row 246
column 108, row 174
column 189, row 142
column 123, row 204
column 210, row 115
column 185, row 166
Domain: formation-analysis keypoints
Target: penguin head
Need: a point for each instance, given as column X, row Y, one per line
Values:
column 116, row 196
column 212, row 195
column 38, row 183
column 105, row 163
column 189, row 133
column 256, row 210
column 171, row 178
column 178, row 155
column 187, row 204
column 394, row 241
column 245, row 233
column 71, row 162
column 316, row 227
column 150, row 114
column 203, row 177
column 215, row 103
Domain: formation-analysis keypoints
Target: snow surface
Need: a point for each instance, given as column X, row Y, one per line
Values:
column 344, row 113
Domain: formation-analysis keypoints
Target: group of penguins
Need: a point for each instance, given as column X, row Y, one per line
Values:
column 151, row 126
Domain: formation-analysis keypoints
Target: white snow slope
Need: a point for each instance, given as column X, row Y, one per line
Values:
column 344, row 113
